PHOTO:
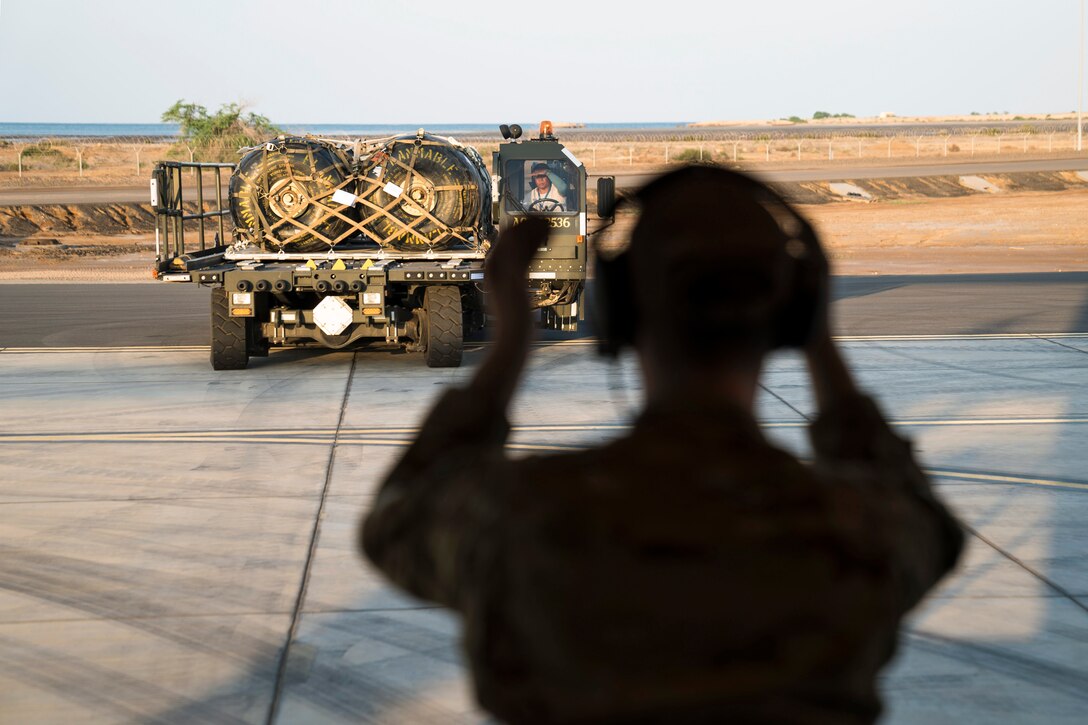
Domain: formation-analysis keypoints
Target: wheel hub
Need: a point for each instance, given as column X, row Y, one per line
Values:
column 287, row 199
column 419, row 199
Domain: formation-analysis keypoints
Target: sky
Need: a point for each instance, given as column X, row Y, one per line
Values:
column 464, row 61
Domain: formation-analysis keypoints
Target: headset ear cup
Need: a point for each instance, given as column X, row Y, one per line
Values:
column 616, row 321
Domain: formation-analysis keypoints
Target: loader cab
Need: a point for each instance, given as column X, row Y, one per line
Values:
column 538, row 176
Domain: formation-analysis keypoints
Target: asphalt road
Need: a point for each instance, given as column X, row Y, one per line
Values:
column 79, row 195
column 850, row 173
column 122, row 194
column 152, row 314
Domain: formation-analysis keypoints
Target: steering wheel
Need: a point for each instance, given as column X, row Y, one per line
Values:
column 546, row 204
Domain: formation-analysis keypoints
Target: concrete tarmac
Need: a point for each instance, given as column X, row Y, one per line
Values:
column 178, row 544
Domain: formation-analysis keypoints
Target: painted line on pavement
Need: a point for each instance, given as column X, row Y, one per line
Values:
column 975, row 336
column 584, row 342
column 998, row 478
column 879, row 338
column 357, row 437
column 324, row 435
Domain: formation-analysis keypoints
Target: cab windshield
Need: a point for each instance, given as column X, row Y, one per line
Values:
column 545, row 186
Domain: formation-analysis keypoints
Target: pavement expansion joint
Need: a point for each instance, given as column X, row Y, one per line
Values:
column 1049, row 338
column 1054, row 586
column 378, row 610
column 786, row 403
column 307, row 569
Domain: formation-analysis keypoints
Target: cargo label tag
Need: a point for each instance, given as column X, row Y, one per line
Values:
column 343, row 197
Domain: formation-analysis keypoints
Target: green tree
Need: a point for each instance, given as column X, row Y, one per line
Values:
column 218, row 136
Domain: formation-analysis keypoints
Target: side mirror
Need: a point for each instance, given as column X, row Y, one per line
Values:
column 606, row 197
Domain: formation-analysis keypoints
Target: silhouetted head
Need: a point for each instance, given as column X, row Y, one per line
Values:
column 714, row 268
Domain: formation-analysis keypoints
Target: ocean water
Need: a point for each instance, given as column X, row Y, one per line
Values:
column 49, row 130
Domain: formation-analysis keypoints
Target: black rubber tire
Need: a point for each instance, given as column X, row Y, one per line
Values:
column 316, row 167
column 440, row 165
column 229, row 335
column 443, row 333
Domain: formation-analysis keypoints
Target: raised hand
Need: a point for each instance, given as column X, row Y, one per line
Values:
column 505, row 277
column 506, row 283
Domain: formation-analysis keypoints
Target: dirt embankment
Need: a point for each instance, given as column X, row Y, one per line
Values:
column 933, row 187
column 929, row 225
column 18, row 222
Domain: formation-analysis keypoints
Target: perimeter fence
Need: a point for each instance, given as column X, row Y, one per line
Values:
column 95, row 159
column 772, row 149
column 27, row 161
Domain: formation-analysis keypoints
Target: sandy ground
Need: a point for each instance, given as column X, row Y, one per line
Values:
column 1023, row 232
column 1006, row 233
column 1010, row 232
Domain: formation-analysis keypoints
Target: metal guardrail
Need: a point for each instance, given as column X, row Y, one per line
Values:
column 167, row 199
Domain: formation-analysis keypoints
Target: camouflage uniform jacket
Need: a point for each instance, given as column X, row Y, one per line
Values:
column 689, row 572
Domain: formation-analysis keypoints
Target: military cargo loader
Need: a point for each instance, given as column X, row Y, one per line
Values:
column 331, row 243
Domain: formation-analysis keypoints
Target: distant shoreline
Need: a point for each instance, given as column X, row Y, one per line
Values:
column 167, row 130
column 889, row 119
column 171, row 130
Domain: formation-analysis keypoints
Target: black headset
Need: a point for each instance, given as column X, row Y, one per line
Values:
column 793, row 320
